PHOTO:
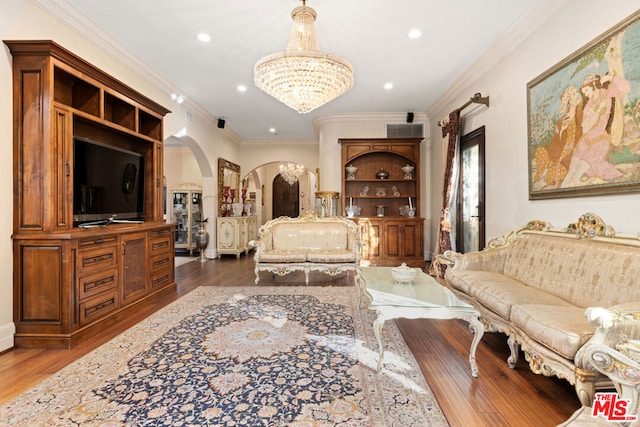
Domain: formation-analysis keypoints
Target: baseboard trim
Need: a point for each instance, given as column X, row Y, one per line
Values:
column 6, row 336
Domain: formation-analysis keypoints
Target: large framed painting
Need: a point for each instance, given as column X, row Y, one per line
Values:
column 584, row 119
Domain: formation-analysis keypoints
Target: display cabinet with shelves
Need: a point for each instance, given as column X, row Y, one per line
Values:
column 185, row 212
column 382, row 178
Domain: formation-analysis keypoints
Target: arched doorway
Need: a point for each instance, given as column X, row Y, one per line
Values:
column 260, row 186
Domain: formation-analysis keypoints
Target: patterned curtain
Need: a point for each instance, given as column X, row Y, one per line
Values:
column 450, row 135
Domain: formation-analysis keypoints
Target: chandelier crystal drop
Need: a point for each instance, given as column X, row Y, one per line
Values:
column 291, row 173
column 302, row 76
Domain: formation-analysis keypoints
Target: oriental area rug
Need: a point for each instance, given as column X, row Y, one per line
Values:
column 240, row 356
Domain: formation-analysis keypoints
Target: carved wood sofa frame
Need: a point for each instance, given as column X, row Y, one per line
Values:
column 534, row 285
column 330, row 245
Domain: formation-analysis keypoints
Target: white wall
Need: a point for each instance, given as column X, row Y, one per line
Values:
column 180, row 166
column 574, row 25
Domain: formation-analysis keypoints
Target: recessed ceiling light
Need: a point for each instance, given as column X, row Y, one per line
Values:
column 204, row 37
column 388, row 86
column 415, row 33
column 242, row 88
column 272, row 130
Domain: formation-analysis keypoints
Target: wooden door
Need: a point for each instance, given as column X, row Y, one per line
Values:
column 286, row 198
column 470, row 233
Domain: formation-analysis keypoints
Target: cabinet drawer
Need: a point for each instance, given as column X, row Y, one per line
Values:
column 101, row 257
column 161, row 245
column 98, row 307
column 96, row 283
column 159, row 262
column 155, row 234
column 161, row 278
column 95, row 242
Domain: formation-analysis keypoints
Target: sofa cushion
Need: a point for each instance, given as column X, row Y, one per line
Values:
column 331, row 256
column 501, row 296
column 563, row 329
column 467, row 280
column 498, row 292
column 297, row 236
column 283, row 256
column 581, row 271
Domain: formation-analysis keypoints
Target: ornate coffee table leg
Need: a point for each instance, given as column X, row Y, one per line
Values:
column 478, row 332
column 377, row 330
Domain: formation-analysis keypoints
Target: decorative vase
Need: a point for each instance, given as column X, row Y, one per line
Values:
column 382, row 174
column 237, row 209
column 351, row 171
column 202, row 239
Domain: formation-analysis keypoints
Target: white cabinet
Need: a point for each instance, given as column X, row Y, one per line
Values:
column 234, row 234
column 185, row 210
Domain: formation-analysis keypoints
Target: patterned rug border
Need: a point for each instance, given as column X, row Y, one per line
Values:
column 69, row 387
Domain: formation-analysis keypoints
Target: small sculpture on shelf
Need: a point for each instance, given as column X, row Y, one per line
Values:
column 365, row 190
column 381, row 191
column 351, row 171
column 380, row 210
column 408, row 171
column 382, row 174
column 394, row 191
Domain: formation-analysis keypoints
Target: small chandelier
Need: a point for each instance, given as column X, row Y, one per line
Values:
column 291, row 172
column 302, row 76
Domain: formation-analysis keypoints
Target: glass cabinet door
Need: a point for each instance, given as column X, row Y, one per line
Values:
column 196, row 215
column 181, row 217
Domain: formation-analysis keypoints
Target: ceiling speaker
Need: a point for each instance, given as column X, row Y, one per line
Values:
column 410, row 117
column 220, row 123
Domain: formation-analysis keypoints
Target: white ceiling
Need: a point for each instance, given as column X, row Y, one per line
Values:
column 371, row 34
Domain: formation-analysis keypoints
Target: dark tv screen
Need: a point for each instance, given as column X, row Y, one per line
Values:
column 108, row 182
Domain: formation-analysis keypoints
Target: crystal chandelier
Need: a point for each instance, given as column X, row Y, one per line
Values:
column 302, row 76
column 291, row 172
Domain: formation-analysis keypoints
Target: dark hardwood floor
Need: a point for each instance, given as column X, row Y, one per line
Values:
column 499, row 396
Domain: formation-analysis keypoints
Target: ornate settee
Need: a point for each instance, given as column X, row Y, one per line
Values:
column 535, row 283
column 308, row 243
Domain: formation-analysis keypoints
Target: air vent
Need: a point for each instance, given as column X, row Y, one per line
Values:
column 405, row 130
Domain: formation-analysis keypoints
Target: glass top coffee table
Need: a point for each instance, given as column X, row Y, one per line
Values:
column 424, row 298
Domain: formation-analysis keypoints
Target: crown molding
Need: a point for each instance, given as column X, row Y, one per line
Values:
column 513, row 38
column 276, row 142
column 88, row 29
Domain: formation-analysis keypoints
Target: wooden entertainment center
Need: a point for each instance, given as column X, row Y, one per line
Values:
column 71, row 282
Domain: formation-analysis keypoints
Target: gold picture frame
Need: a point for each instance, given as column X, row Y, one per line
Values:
column 584, row 119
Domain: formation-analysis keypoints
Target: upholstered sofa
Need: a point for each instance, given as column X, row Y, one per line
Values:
column 534, row 285
column 330, row 245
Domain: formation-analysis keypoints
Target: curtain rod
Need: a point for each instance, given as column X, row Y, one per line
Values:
column 477, row 98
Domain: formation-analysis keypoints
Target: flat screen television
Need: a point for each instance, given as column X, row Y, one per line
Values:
column 108, row 183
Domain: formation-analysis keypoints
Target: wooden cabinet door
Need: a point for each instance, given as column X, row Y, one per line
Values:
column 412, row 240
column 372, row 236
column 63, row 150
column 393, row 239
column 134, row 267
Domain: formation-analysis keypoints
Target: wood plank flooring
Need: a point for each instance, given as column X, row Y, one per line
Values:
column 499, row 396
